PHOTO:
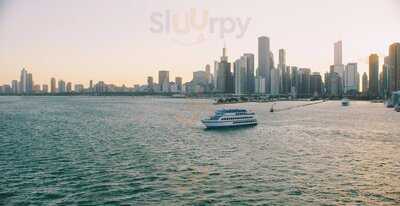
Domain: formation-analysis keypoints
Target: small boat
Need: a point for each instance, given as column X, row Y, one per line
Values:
column 230, row 118
column 345, row 102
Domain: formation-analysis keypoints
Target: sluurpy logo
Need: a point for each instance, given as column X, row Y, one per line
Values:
column 194, row 26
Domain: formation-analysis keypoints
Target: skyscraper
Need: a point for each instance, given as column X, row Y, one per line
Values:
column 240, row 74
column 53, row 88
column 394, row 58
column 215, row 74
column 274, row 82
column 23, row 81
column 373, row 88
column 316, row 84
column 29, row 83
column 264, row 64
column 351, row 78
column 208, row 72
column 304, row 82
column 69, row 87
column 178, row 82
column 225, row 82
column 61, row 86
column 250, row 79
column 163, row 80
column 365, row 84
column 282, row 57
column 338, row 53
column 14, row 86
column 91, row 89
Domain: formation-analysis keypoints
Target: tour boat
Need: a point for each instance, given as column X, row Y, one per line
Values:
column 230, row 118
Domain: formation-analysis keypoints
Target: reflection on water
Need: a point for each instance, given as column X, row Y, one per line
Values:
column 94, row 151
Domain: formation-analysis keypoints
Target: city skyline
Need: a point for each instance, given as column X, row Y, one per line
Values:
column 119, row 48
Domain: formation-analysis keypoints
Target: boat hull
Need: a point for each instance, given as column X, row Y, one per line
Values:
column 228, row 124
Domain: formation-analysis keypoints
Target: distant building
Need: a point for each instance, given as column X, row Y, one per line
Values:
column 14, row 86
column 150, row 84
column 351, row 79
column 69, row 87
column 225, row 82
column 53, row 87
column 163, row 80
column 316, row 84
column 179, row 85
column 274, row 82
column 215, row 77
column 304, row 82
column 373, row 88
column 23, row 81
column 91, row 89
column 333, row 84
column 365, row 84
column 36, row 89
column 61, row 86
column 244, row 74
column 29, row 83
column 264, row 64
column 79, row 88
column 338, row 53
column 394, row 67
column 45, row 88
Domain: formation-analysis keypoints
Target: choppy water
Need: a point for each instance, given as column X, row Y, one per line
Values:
column 149, row 151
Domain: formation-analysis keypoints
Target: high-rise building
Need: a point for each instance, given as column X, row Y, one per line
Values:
column 365, row 84
column 29, row 83
column 394, row 57
column 163, row 80
column 216, row 66
column 284, row 73
column 282, row 57
column 316, row 84
column 304, row 82
column 373, row 88
column 333, row 83
column 351, row 79
column 91, row 89
column 274, row 82
column 208, row 72
column 69, row 87
column 178, row 82
column 225, row 82
column 338, row 53
column 14, row 86
column 250, row 79
column 53, row 87
column 23, row 81
column 294, row 81
column 61, row 86
column 385, row 86
column 264, row 64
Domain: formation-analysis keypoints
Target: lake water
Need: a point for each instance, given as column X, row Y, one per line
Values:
column 155, row 151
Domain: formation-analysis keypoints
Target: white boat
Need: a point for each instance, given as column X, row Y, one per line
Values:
column 345, row 102
column 230, row 118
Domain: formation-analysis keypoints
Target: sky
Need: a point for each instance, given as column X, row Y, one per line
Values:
column 124, row 41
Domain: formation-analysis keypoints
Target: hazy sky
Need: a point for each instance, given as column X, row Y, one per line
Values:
column 112, row 40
